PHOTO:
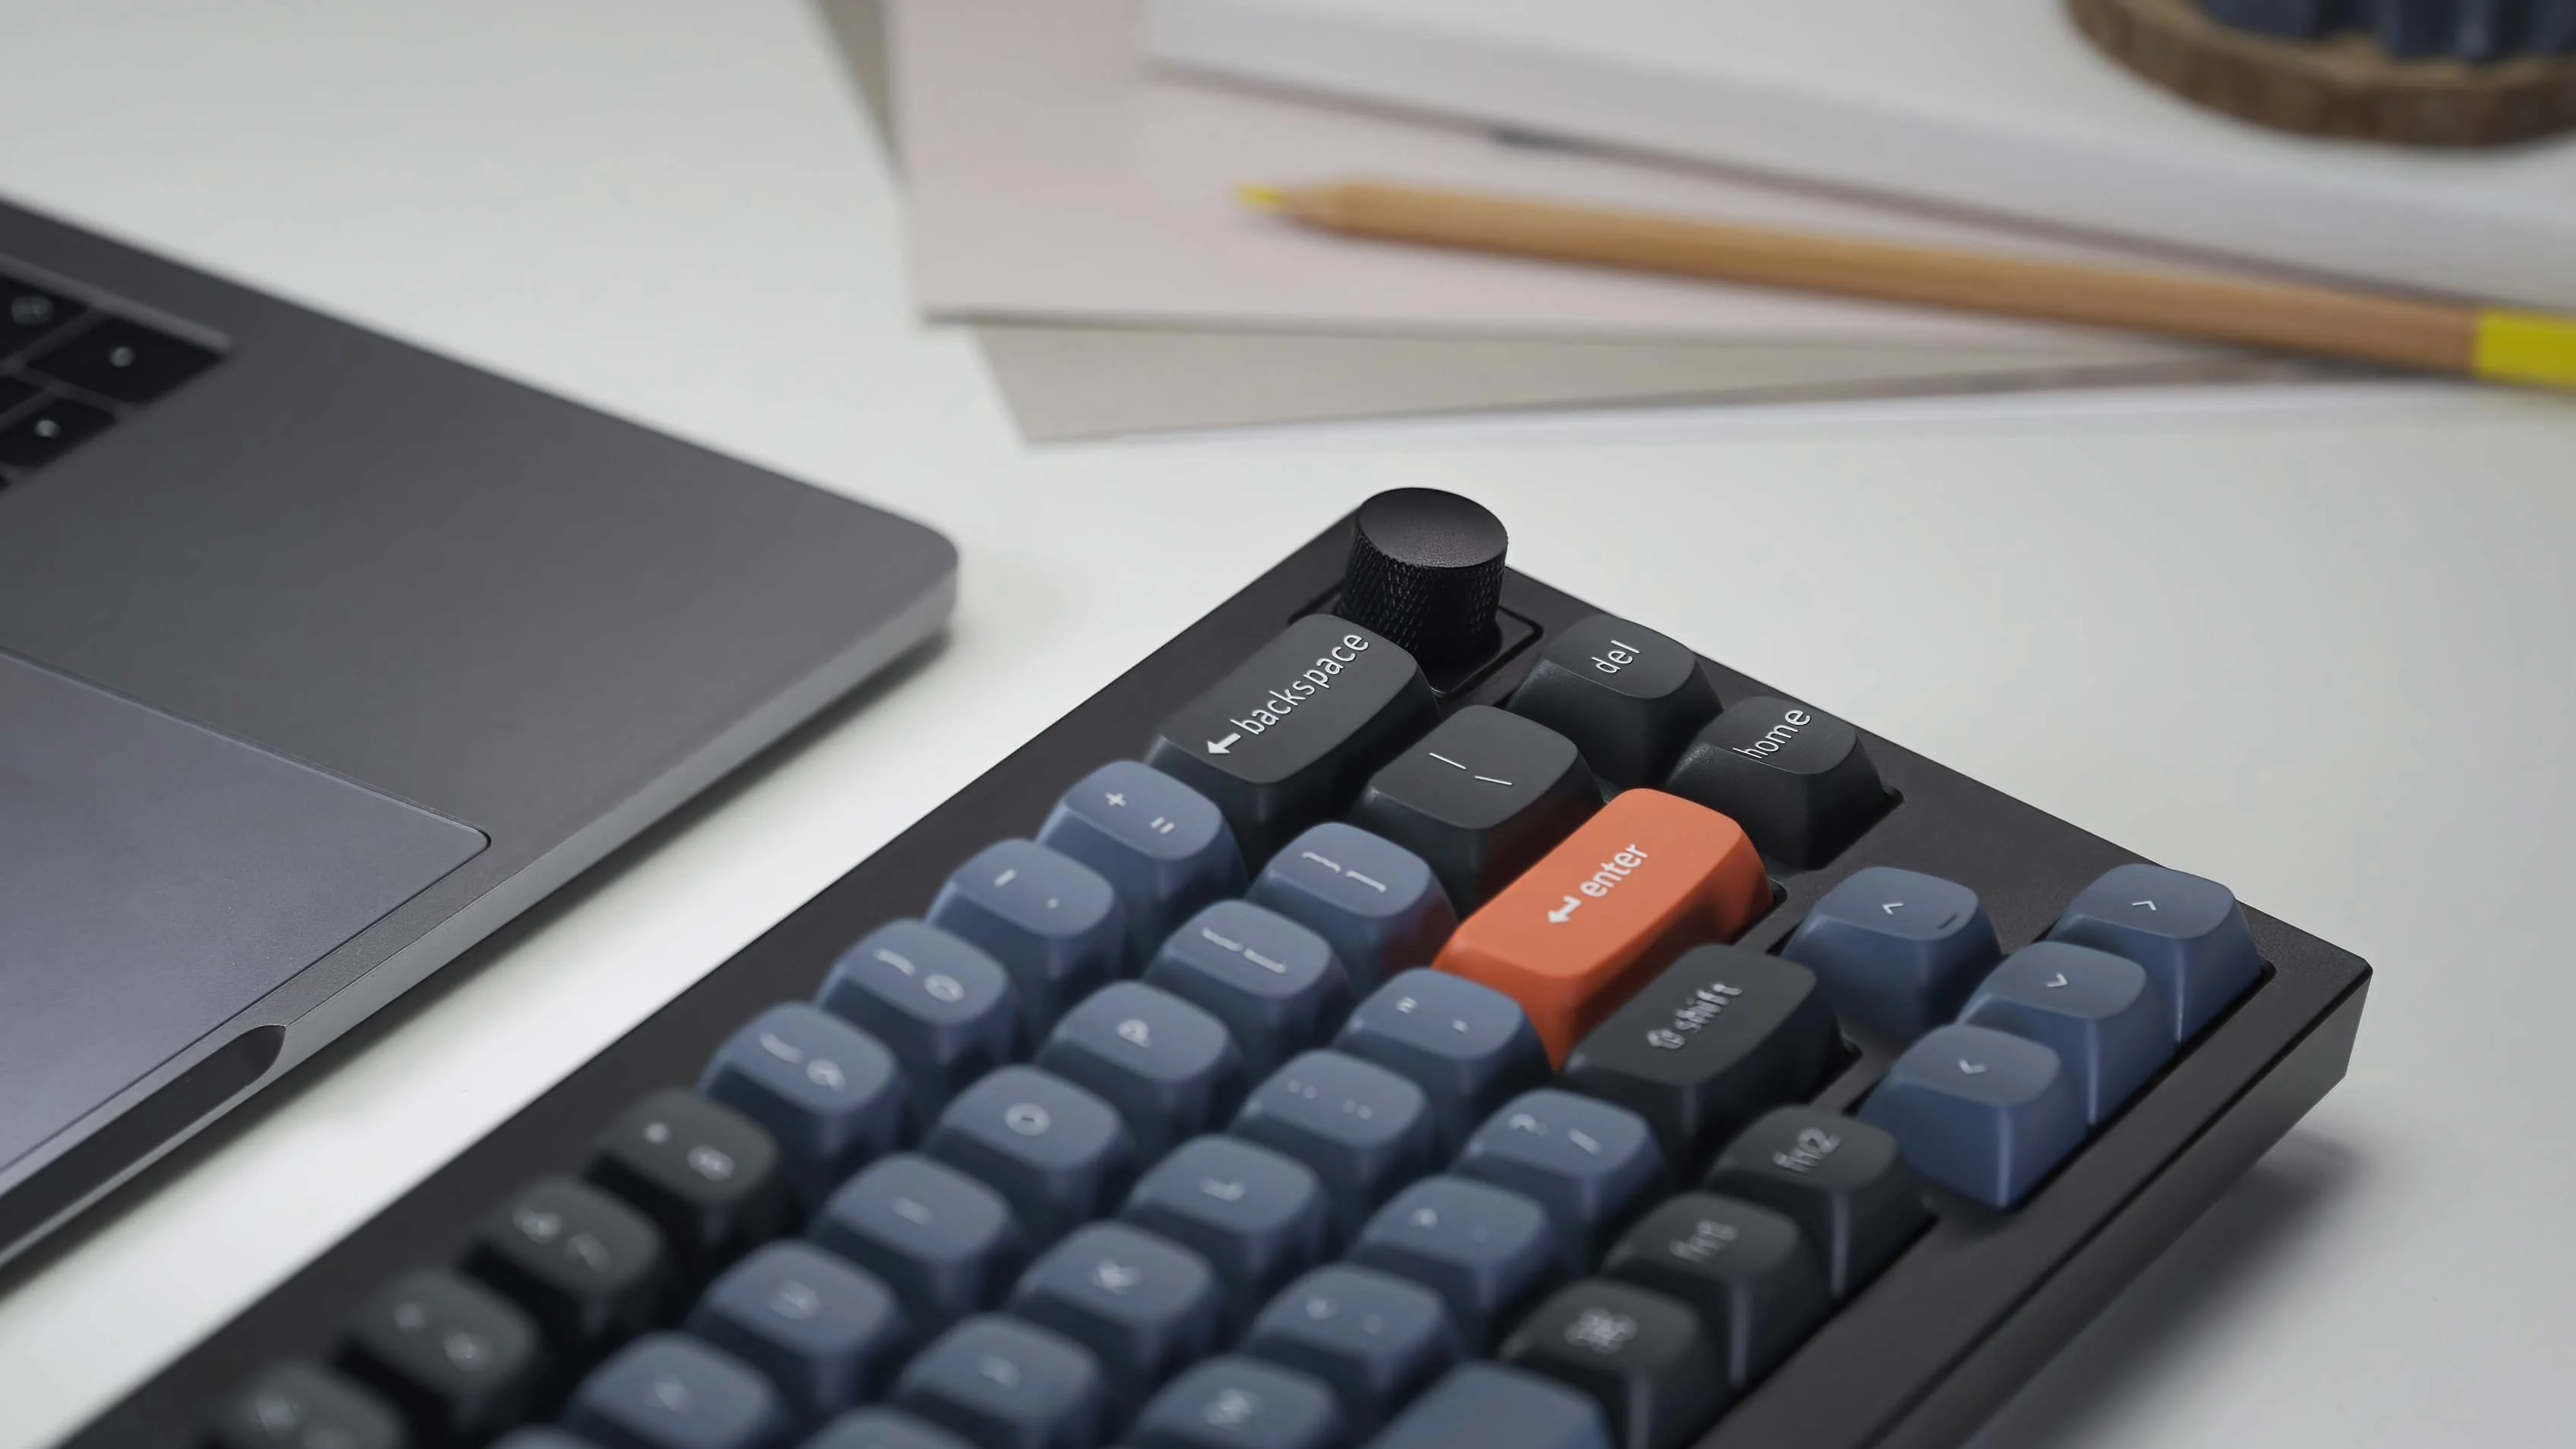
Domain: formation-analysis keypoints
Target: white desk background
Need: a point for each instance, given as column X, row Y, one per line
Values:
column 2317, row 645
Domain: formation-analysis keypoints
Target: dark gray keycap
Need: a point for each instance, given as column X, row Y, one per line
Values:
column 669, row 1391
column 1286, row 739
column 1161, row 845
column 2187, row 932
column 883, row 1428
column 826, row 1334
column 1589, row 1164
column 1718, row 1038
column 123, row 360
column 1490, row 1406
column 2099, row 1012
column 1487, row 1251
column 1258, row 1217
column 1241, row 1403
column 1169, row 1067
column 1376, row 903
column 1004, row 1384
column 590, row 1269
column 1896, row 951
column 540, row 1438
column 298, row 1405
column 1056, row 1152
column 828, row 1092
column 29, row 313
column 1744, row 1268
column 1364, row 1130
column 1481, row 798
column 460, row 1361
column 1144, row 1306
column 1276, row 985
column 1981, row 1112
column 709, row 1177
column 1643, row 1357
column 1629, row 698
column 1051, row 921
column 1469, row 1048
column 1797, row 779
column 1842, row 1181
column 940, row 1003
column 945, row 1243
column 1376, row 1339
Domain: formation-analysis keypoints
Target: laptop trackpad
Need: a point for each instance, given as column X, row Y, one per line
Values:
column 156, row 878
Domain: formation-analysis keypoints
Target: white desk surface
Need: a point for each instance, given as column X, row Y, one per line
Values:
column 2314, row 644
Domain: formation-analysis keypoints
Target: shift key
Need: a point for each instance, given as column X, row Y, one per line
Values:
column 1581, row 931
column 1288, row 738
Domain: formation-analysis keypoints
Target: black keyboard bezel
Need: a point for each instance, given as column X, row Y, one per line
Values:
column 1917, row 1359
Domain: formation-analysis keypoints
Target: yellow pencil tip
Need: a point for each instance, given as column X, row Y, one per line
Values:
column 1262, row 198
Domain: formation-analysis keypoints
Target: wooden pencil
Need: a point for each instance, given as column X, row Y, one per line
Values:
column 2499, row 344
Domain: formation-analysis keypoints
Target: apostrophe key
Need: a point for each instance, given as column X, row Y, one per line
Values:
column 1158, row 843
column 2187, row 932
column 1981, row 1112
column 1584, row 928
column 1481, row 798
column 708, row 1176
column 1755, row 1285
column 669, row 1391
column 298, row 1405
column 1590, row 1165
column 1241, row 1403
column 591, row 1270
column 1468, row 1047
column 1374, row 1338
column 1487, row 1251
column 945, row 1243
column 1842, row 1181
column 1146, row 1308
column 825, row 1333
column 1051, row 921
column 1377, row 903
column 1288, row 737
column 1276, row 985
column 1797, row 779
column 1643, row 1357
column 941, row 1004
column 461, row 1362
column 1260, row 1217
column 1629, row 698
column 2101, row 1015
column 1898, row 951
column 829, row 1094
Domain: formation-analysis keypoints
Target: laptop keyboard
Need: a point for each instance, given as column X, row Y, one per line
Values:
column 69, row 370
column 1358, row 1066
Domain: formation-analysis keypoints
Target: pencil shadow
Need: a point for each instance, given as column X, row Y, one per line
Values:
column 2229, row 1257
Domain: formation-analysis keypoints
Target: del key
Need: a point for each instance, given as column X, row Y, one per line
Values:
column 1287, row 739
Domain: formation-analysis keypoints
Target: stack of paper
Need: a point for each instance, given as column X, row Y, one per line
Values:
column 1078, row 206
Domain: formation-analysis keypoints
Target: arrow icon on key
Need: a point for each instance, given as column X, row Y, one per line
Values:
column 1892, row 907
column 1565, row 913
column 1219, row 747
column 2058, row 982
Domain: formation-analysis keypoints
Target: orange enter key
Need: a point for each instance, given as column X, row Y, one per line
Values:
column 1582, row 930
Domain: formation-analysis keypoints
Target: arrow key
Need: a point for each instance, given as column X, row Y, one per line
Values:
column 1897, row 951
column 1979, row 1111
column 2100, row 1013
column 2187, row 932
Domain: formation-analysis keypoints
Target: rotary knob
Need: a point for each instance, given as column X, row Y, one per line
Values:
column 1426, row 571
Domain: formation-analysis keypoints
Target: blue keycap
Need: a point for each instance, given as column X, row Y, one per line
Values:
column 826, row 1090
column 1896, row 951
column 942, row 1005
column 1143, row 1306
column 827, row 1334
column 2187, row 932
column 1056, row 1153
column 1376, row 902
column 1487, row 1251
column 540, row 1439
column 883, row 1428
column 1160, row 844
column 2097, row 1011
column 1590, row 1165
column 1168, row 1067
column 1468, row 1047
column 1374, row 1338
column 1981, row 1112
column 946, row 1244
column 1259, row 1218
column 665, row 1391
column 1488, row 1406
column 1363, row 1129
column 1004, row 1384
column 1051, row 921
column 1241, row 1403
column 1274, row 983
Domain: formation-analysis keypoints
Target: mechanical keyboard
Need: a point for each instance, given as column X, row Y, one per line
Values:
column 1409, row 1009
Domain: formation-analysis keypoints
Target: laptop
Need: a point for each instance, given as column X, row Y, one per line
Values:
column 321, row 657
